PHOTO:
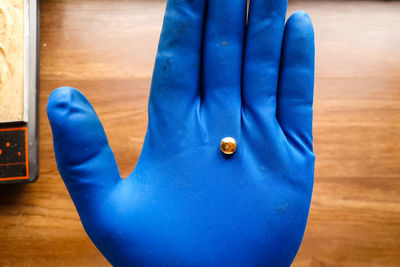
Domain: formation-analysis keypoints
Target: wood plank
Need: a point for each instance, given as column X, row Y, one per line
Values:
column 353, row 222
column 11, row 60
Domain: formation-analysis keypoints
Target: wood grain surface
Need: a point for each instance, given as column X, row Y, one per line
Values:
column 106, row 48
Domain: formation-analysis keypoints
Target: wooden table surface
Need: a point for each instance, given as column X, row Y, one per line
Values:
column 107, row 48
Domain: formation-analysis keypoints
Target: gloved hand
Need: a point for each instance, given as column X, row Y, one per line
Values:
column 186, row 203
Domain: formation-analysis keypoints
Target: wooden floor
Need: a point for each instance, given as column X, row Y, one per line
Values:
column 106, row 48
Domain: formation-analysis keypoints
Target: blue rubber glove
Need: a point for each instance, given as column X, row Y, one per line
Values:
column 186, row 203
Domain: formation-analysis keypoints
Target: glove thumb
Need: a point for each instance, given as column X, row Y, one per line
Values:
column 84, row 157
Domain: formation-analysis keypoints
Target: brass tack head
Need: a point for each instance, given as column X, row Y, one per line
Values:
column 228, row 145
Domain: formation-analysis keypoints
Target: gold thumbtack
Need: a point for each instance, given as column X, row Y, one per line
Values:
column 228, row 145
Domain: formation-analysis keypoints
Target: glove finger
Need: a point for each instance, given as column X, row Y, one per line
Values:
column 177, row 68
column 222, row 67
column 296, row 84
column 84, row 157
column 262, row 57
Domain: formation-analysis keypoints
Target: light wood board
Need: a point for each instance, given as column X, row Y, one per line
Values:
column 12, row 60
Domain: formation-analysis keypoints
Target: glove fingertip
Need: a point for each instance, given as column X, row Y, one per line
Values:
column 300, row 16
column 301, row 23
column 59, row 102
